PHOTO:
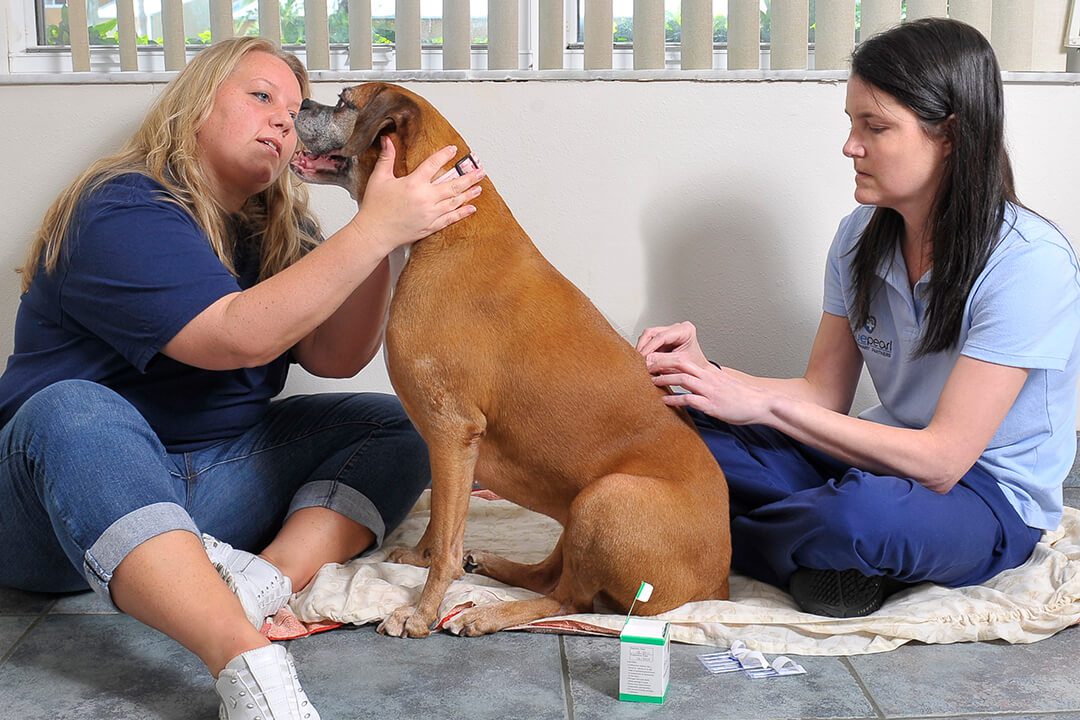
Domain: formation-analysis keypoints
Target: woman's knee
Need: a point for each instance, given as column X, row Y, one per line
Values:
column 73, row 394
column 857, row 504
column 383, row 408
column 324, row 410
column 398, row 460
column 77, row 411
column 860, row 521
column 409, row 448
column 397, row 434
column 81, row 439
column 856, row 511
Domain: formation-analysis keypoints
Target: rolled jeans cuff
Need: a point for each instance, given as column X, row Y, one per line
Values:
column 126, row 534
column 343, row 500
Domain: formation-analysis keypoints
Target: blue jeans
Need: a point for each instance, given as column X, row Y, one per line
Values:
column 84, row 479
column 792, row 506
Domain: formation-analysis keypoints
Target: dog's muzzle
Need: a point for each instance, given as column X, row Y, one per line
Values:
column 309, row 165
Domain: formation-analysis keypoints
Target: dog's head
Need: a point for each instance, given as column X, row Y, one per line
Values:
column 343, row 141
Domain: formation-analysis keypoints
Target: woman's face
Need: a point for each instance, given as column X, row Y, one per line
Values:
column 897, row 164
column 248, row 139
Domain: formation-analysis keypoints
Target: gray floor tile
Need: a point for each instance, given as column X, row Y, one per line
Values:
column 84, row 662
column 17, row 602
column 968, row 678
column 11, row 629
column 826, row 691
column 84, row 603
column 357, row 673
column 103, row 667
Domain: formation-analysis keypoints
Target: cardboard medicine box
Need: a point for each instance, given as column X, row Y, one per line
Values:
column 644, row 660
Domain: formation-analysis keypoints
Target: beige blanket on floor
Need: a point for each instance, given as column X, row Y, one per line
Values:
column 1022, row 605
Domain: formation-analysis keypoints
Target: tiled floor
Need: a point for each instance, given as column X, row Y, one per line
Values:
column 69, row 658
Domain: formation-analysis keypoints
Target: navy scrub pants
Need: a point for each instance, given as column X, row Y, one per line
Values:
column 792, row 507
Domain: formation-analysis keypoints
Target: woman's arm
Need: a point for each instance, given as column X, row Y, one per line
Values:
column 975, row 400
column 832, row 372
column 252, row 327
column 346, row 341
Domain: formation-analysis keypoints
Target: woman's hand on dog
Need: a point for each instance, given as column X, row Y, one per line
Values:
column 713, row 391
column 680, row 338
column 398, row 211
column 674, row 358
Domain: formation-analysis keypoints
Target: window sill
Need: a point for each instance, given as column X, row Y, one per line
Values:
column 52, row 66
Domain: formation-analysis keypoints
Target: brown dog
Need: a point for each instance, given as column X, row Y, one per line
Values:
column 514, row 378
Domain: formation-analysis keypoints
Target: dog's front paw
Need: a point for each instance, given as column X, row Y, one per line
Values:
column 474, row 622
column 405, row 622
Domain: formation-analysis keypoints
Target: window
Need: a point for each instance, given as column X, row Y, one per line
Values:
column 623, row 15
column 54, row 29
column 44, row 34
column 431, row 33
column 1073, row 35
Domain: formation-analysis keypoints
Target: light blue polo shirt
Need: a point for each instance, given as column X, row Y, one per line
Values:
column 1023, row 311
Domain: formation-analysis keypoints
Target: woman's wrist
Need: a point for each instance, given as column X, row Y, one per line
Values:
column 367, row 234
column 782, row 412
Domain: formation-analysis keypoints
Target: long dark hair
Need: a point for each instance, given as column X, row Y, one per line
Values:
column 946, row 73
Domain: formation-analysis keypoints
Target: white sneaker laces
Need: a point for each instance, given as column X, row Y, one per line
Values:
column 261, row 587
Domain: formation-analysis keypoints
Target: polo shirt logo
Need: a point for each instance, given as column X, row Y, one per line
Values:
column 866, row 340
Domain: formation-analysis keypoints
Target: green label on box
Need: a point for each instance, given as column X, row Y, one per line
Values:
column 642, row 698
column 643, row 640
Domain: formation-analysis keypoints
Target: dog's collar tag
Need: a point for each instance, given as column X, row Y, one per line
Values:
column 464, row 165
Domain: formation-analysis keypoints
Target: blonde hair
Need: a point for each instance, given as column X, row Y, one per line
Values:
column 165, row 148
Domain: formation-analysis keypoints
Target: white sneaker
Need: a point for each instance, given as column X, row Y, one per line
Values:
column 261, row 587
column 261, row 684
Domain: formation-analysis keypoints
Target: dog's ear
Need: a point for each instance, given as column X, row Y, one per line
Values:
column 387, row 111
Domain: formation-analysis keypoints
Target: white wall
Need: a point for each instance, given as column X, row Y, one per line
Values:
column 662, row 201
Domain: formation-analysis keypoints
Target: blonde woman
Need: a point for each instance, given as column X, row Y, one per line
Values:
column 165, row 295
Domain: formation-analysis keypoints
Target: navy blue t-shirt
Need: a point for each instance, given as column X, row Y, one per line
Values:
column 134, row 270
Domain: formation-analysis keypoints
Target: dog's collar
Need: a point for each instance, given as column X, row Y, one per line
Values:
column 462, row 166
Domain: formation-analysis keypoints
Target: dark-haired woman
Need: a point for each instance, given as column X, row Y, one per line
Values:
column 965, row 308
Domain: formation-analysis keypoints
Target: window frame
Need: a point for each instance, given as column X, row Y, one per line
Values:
column 1072, row 38
column 21, row 56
